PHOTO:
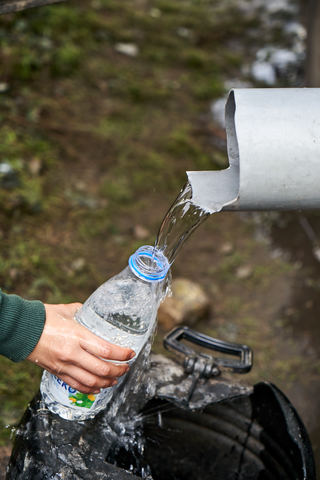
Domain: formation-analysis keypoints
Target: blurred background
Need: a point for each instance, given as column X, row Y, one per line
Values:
column 104, row 106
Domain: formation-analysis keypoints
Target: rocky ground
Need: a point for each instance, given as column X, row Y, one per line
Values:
column 104, row 109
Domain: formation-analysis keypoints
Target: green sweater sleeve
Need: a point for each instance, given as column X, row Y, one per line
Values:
column 21, row 325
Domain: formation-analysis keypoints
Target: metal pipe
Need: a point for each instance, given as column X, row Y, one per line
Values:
column 273, row 138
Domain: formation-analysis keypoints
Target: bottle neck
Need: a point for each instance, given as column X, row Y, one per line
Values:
column 149, row 264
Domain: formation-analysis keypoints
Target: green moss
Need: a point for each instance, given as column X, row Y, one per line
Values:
column 117, row 190
column 227, row 267
column 202, row 90
column 98, row 223
column 66, row 59
column 168, row 7
column 26, row 64
column 181, row 142
column 21, row 188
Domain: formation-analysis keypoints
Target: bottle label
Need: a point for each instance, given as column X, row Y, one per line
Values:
column 69, row 396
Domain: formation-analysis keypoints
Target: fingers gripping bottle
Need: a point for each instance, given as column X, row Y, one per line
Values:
column 122, row 311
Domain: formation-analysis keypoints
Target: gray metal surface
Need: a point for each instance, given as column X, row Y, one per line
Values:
column 274, row 153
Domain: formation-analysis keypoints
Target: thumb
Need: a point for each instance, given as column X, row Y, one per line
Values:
column 74, row 307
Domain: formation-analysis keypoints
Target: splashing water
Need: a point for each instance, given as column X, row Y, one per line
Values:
column 122, row 419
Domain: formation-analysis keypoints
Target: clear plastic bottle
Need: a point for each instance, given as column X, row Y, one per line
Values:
column 123, row 311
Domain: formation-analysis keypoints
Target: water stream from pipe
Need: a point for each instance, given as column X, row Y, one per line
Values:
column 182, row 218
column 122, row 417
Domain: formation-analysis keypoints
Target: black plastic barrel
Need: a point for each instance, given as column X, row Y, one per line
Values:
column 253, row 437
column 258, row 437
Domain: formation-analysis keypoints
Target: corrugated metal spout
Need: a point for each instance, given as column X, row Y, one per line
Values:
column 273, row 138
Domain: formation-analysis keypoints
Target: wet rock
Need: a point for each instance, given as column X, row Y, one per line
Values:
column 129, row 49
column 140, row 232
column 188, row 304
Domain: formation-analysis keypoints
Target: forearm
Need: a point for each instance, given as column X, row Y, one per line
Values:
column 49, row 336
column 21, row 325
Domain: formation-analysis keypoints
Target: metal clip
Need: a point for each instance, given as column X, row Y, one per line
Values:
column 201, row 365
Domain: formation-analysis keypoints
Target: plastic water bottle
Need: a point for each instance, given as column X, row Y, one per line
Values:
column 123, row 311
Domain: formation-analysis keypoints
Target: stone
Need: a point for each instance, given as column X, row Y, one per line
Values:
column 155, row 12
column 13, row 273
column 226, row 248
column 243, row 272
column 140, row 232
column 78, row 264
column 316, row 253
column 81, row 185
column 184, row 32
column 263, row 72
column 4, row 87
column 35, row 166
column 188, row 304
column 282, row 59
column 129, row 49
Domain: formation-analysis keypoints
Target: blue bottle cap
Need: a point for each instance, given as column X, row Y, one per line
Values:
column 149, row 264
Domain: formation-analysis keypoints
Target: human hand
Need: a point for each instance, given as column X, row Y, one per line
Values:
column 70, row 351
